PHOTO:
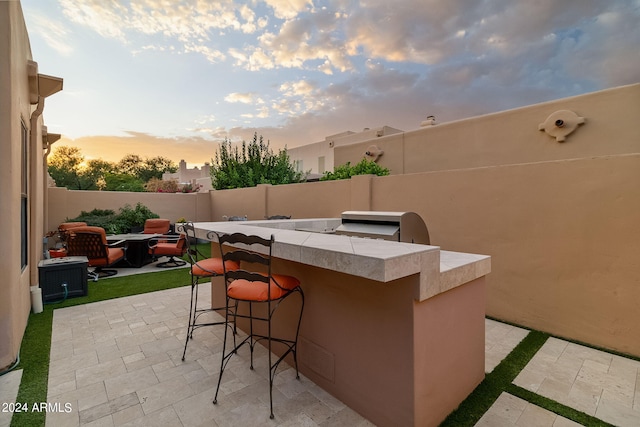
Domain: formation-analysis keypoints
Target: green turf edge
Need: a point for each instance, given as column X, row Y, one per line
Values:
column 495, row 382
column 34, row 362
column 36, row 343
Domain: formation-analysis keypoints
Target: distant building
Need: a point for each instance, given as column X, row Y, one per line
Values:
column 194, row 176
column 317, row 158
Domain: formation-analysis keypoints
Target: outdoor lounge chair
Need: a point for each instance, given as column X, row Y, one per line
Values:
column 63, row 233
column 92, row 242
column 63, row 229
column 172, row 246
column 156, row 226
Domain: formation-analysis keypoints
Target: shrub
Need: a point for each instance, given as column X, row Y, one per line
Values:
column 365, row 167
column 117, row 223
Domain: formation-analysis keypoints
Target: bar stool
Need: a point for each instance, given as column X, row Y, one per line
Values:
column 202, row 268
column 253, row 287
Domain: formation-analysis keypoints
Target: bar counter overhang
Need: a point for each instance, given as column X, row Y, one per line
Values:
column 394, row 330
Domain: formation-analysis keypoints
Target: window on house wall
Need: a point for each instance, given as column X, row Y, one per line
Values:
column 298, row 164
column 24, row 201
column 321, row 164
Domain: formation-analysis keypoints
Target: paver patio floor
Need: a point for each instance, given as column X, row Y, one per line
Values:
column 118, row 363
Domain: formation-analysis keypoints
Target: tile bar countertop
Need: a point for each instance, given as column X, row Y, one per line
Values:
column 309, row 241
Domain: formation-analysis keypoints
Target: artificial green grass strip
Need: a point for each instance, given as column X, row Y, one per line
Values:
column 36, row 343
column 118, row 287
column 34, row 362
column 494, row 383
column 557, row 408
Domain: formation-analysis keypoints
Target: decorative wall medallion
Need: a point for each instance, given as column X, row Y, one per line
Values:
column 373, row 153
column 560, row 124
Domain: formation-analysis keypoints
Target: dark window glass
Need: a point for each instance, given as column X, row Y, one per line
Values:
column 24, row 201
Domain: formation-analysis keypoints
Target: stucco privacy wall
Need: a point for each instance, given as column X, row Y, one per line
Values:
column 65, row 204
column 307, row 200
column 562, row 235
column 512, row 137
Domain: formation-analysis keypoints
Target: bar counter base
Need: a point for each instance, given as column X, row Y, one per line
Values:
column 395, row 360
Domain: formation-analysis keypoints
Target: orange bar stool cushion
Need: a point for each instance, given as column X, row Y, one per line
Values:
column 258, row 291
column 212, row 266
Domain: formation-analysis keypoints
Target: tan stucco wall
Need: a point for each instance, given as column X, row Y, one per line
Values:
column 562, row 236
column 512, row 137
column 14, row 107
column 64, row 204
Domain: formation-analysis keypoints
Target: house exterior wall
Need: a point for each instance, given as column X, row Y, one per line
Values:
column 15, row 109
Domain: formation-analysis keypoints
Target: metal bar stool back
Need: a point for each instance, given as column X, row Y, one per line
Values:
column 201, row 269
column 259, row 286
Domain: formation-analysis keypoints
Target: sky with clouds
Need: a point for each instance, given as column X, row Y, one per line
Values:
column 175, row 77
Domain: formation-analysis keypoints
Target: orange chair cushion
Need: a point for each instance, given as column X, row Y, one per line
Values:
column 205, row 267
column 156, row 226
column 69, row 225
column 168, row 249
column 246, row 290
column 114, row 254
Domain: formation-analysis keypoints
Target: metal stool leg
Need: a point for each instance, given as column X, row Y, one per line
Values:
column 190, row 324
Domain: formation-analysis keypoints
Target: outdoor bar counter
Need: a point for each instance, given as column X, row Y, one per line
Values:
column 394, row 330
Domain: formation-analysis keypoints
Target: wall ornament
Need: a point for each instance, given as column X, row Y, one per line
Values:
column 560, row 124
column 373, row 153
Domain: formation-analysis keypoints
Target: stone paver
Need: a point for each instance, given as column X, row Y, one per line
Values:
column 597, row 383
column 119, row 363
column 9, row 385
column 500, row 339
column 509, row 410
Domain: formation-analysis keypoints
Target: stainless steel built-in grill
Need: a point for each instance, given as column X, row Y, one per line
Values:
column 399, row 226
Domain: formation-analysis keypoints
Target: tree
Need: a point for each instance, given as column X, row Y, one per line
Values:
column 145, row 169
column 254, row 164
column 66, row 167
column 155, row 167
column 130, row 164
column 101, row 167
column 122, row 182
